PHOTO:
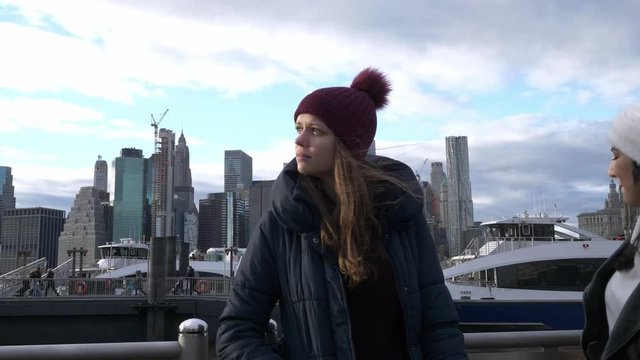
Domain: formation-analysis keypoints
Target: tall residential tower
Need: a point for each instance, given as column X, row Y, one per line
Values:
column 459, row 203
column 7, row 199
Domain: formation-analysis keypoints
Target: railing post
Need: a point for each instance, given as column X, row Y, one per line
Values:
column 193, row 337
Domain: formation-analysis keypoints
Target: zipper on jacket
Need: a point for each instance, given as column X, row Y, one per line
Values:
column 346, row 309
column 399, row 289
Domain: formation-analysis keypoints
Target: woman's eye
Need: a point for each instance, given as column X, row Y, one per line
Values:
column 615, row 155
column 317, row 131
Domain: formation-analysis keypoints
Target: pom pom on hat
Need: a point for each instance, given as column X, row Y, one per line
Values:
column 625, row 132
column 374, row 83
column 350, row 112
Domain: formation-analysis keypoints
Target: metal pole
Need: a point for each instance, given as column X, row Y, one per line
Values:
column 80, row 267
column 156, row 276
column 193, row 337
column 171, row 255
column 184, row 258
column 72, row 253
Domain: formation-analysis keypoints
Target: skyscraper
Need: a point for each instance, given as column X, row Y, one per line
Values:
column 224, row 220
column 437, row 178
column 259, row 202
column 210, row 221
column 131, row 209
column 237, row 170
column 191, row 221
column 162, row 221
column 182, row 173
column 29, row 234
column 183, row 190
column 86, row 226
column 100, row 175
column 7, row 199
column 460, row 205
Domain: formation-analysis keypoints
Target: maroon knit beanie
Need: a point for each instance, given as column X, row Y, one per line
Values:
column 350, row 112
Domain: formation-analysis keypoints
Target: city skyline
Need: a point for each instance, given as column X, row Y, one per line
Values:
column 536, row 106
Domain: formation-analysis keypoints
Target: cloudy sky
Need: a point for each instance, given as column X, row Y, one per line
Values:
column 532, row 84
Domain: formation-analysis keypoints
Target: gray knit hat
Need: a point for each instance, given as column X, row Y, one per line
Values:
column 625, row 133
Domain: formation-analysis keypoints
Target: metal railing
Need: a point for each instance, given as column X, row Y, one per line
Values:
column 111, row 287
column 192, row 344
column 524, row 345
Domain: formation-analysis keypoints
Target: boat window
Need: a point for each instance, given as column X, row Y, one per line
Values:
column 526, row 230
column 544, row 232
column 560, row 275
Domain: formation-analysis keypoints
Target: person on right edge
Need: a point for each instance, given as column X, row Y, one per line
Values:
column 612, row 299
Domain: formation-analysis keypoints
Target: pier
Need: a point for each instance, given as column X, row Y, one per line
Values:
column 109, row 321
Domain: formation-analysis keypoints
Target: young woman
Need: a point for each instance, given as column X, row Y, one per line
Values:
column 612, row 300
column 345, row 249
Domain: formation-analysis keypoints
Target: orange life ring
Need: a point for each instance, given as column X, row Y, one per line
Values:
column 203, row 287
column 81, row 288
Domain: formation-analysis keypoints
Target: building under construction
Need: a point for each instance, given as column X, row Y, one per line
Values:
column 162, row 223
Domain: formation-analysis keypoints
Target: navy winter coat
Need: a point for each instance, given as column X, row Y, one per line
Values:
column 624, row 340
column 285, row 262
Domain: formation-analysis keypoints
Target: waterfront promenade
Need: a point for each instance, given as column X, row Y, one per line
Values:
column 89, row 317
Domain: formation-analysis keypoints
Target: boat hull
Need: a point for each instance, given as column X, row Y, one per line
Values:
column 519, row 315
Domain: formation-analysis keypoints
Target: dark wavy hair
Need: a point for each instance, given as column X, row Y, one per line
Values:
column 626, row 258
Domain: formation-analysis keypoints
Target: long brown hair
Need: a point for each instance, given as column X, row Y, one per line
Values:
column 349, row 222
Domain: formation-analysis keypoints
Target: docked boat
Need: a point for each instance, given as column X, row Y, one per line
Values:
column 525, row 273
column 127, row 259
column 125, row 253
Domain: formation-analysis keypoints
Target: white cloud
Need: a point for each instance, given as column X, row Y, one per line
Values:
column 133, row 52
column 47, row 115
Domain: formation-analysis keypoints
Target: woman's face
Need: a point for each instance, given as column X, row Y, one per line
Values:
column 315, row 147
column 621, row 168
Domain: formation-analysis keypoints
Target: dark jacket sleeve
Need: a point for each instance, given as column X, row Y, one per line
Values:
column 440, row 337
column 244, row 321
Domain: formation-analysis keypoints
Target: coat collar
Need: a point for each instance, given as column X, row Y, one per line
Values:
column 295, row 210
column 627, row 324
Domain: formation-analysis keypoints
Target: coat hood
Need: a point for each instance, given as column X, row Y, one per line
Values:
column 295, row 210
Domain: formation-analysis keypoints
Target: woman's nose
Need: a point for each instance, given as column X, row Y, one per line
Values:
column 301, row 139
column 611, row 170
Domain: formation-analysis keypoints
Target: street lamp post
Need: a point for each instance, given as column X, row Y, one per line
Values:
column 231, row 251
column 82, row 252
column 23, row 254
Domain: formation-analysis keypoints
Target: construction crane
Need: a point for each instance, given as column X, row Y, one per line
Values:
column 421, row 168
column 159, row 179
column 155, row 124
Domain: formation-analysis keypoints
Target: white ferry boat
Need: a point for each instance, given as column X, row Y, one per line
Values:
column 126, row 259
column 125, row 253
column 525, row 273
